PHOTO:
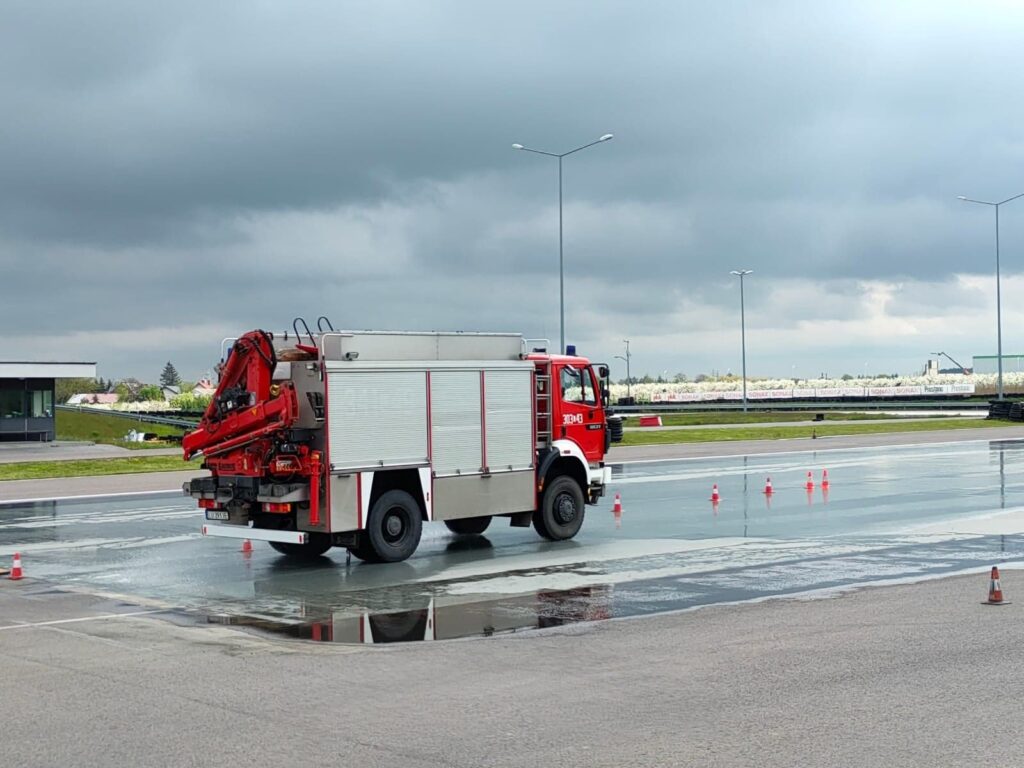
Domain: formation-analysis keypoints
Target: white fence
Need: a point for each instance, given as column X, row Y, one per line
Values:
column 831, row 393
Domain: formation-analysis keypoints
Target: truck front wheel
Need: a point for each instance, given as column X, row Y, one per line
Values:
column 318, row 544
column 394, row 526
column 561, row 510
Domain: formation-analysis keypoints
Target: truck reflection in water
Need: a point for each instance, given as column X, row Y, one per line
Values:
column 440, row 620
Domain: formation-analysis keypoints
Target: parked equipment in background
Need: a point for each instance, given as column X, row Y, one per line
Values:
column 355, row 439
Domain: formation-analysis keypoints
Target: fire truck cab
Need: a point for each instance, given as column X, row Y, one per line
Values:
column 357, row 438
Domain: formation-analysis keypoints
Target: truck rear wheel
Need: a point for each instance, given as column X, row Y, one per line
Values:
column 316, row 546
column 364, row 550
column 394, row 526
column 561, row 510
column 468, row 526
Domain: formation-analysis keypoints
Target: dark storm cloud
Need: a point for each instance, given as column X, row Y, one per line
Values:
column 219, row 163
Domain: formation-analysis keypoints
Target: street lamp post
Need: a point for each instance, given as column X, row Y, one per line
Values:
column 629, row 391
column 999, row 303
column 561, row 260
column 741, row 273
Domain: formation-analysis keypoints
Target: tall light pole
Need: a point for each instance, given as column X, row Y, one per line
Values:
column 999, row 303
column 741, row 273
column 629, row 391
column 561, row 260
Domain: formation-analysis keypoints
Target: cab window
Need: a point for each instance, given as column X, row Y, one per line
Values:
column 577, row 386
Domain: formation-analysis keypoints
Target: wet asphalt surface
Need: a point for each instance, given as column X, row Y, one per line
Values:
column 889, row 513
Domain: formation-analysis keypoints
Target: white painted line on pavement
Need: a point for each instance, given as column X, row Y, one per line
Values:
column 808, row 450
column 30, row 625
column 12, row 502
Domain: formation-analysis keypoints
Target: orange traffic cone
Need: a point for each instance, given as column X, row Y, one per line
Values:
column 810, row 482
column 617, row 509
column 714, row 494
column 16, row 568
column 768, row 487
column 995, row 590
column 246, row 545
column 824, row 478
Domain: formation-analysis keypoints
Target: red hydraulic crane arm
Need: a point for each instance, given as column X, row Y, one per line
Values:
column 246, row 405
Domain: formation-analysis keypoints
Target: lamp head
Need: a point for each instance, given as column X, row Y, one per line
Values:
column 607, row 137
column 517, row 146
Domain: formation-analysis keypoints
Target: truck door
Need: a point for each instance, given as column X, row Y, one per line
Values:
column 582, row 417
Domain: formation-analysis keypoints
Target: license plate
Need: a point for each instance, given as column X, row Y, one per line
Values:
column 216, row 514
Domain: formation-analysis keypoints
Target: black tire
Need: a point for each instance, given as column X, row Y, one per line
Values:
column 364, row 550
column 317, row 545
column 561, row 510
column 468, row 526
column 394, row 527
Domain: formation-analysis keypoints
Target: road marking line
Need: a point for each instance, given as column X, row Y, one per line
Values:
column 816, row 449
column 11, row 502
column 75, row 621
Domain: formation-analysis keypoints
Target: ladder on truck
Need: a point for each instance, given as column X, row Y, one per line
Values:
column 542, row 377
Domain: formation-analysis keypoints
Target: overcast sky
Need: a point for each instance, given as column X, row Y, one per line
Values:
column 172, row 173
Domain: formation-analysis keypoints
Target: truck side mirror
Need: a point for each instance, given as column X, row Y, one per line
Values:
column 603, row 371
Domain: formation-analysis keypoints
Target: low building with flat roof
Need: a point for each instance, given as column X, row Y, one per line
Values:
column 990, row 363
column 27, row 395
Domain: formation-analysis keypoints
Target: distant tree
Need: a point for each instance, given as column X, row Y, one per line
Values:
column 700, row 377
column 150, row 392
column 847, row 377
column 680, row 378
column 127, row 390
column 170, row 377
column 190, row 403
column 65, row 388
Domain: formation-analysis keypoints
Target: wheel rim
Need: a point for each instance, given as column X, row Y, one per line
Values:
column 396, row 524
column 565, row 508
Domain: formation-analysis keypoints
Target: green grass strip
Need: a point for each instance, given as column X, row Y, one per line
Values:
column 110, row 430
column 36, row 470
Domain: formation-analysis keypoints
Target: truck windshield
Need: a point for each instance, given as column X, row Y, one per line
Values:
column 577, row 386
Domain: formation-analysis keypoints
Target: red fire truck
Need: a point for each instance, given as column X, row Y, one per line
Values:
column 355, row 439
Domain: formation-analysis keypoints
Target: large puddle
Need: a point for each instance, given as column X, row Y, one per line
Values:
column 797, row 568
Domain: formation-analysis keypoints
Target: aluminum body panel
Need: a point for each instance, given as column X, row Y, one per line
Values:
column 344, row 514
column 476, row 495
column 508, row 398
column 366, row 345
column 377, row 418
column 255, row 534
column 457, row 434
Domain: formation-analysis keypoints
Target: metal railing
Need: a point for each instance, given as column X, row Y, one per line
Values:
column 146, row 418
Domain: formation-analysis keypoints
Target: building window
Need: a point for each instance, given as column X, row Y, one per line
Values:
column 42, row 404
column 12, row 404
